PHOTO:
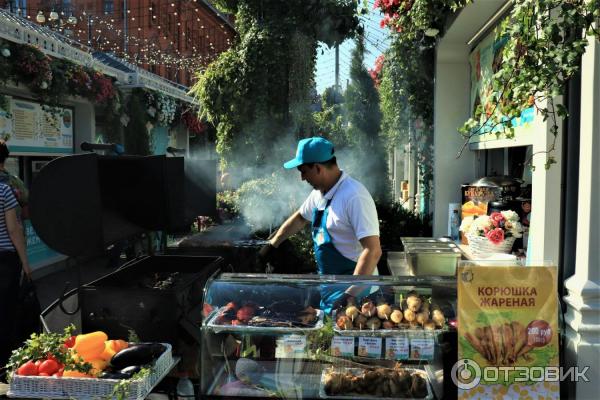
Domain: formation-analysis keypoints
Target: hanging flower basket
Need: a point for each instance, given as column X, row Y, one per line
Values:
column 482, row 246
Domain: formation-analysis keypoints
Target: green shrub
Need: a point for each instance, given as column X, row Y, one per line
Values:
column 395, row 222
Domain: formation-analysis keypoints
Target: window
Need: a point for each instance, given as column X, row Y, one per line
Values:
column 108, row 6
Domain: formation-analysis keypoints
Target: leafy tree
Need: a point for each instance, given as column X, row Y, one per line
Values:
column 364, row 118
column 260, row 89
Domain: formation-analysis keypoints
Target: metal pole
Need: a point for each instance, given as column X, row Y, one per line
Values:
column 125, row 38
column 337, row 68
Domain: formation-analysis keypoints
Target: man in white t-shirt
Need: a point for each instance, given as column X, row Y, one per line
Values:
column 342, row 214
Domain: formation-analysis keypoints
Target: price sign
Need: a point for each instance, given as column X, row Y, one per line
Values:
column 396, row 348
column 369, row 347
column 421, row 348
column 342, row 346
column 291, row 346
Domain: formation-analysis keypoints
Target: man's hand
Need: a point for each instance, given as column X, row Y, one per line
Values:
column 341, row 301
column 265, row 254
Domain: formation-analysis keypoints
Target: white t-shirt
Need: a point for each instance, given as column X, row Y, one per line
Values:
column 352, row 214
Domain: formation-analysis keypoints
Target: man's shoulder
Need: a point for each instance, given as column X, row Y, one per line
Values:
column 352, row 188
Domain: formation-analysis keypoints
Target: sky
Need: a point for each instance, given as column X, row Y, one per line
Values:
column 377, row 40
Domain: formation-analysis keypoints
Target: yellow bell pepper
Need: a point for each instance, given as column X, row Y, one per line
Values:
column 91, row 345
column 98, row 365
column 75, row 374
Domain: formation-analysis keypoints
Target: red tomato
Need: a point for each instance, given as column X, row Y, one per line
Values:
column 28, row 369
column 70, row 342
column 43, row 374
column 58, row 374
column 48, row 367
column 37, row 363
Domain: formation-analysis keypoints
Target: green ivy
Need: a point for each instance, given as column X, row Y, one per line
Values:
column 543, row 50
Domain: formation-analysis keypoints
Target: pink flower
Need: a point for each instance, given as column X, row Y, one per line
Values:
column 495, row 236
column 496, row 218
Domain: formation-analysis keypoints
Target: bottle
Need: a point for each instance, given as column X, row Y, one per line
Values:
column 454, row 226
column 185, row 389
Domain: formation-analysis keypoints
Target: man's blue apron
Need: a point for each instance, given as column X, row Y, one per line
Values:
column 329, row 260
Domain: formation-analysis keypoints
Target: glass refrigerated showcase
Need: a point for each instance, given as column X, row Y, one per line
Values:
column 267, row 336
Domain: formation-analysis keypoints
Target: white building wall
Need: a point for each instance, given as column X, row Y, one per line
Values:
column 583, row 301
column 451, row 110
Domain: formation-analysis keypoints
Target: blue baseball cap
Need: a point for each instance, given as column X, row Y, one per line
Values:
column 311, row 150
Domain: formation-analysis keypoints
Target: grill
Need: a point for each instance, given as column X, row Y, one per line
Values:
column 83, row 203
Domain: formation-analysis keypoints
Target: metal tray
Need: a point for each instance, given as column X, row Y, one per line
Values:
column 356, row 371
column 210, row 323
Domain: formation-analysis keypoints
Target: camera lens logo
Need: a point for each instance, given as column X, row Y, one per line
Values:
column 466, row 374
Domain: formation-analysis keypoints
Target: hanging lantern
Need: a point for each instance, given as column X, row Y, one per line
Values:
column 53, row 16
column 72, row 20
column 40, row 17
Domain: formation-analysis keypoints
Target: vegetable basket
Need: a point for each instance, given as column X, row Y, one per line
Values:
column 90, row 388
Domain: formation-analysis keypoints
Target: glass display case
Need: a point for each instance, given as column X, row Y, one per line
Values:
column 268, row 336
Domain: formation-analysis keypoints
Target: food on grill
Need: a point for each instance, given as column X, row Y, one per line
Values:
column 245, row 313
column 409, row 315
column 384, row 310
column 413, row 302
column 361, row 322
column 352, row 312
column 344, row 322
column 368, row 308
column 388, row 325
column 277, row 314
column 396, row 316
column 429, row 325
column 438, row 317
column 422, row 317
column 379, row 382
column 373, row 323
column 392, row 316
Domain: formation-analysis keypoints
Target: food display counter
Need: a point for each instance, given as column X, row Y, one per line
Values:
column 265, row 335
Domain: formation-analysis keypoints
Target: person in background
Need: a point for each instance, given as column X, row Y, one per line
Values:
column 343, row 218
column 13, row 261
column 17, row 185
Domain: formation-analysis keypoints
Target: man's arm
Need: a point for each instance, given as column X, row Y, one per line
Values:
column 291, row 226
column 368, row 259
column 15, row 231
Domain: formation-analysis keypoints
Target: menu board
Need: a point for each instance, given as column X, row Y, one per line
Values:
column 507, row 330
column 30, row 128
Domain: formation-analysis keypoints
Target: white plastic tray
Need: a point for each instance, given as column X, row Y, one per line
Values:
column 272, row 329
column 357, row 371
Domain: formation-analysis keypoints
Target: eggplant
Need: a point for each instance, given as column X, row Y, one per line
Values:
column 131, row 370
column 113, row 375
column 137, row 354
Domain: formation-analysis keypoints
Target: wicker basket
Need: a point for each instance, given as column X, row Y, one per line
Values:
column 482, row 246
column 88, row 388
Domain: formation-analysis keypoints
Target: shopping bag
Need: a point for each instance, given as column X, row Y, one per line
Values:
column 28, row 310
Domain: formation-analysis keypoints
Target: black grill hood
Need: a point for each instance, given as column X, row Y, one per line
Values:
column 81, row 204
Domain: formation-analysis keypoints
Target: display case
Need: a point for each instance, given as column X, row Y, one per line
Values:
column 270, row 336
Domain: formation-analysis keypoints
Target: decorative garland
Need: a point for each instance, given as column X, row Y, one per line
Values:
column 51, row 80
